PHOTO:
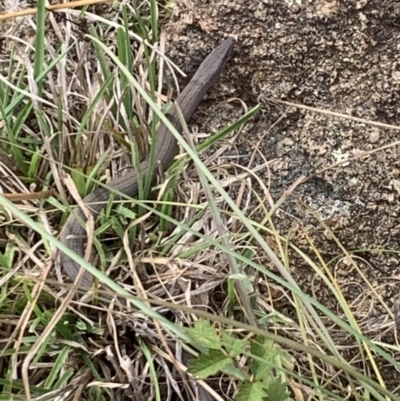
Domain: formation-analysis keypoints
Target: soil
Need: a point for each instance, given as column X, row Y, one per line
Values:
column 341, row 56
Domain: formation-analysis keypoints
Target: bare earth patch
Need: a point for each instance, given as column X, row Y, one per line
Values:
column 341, row 56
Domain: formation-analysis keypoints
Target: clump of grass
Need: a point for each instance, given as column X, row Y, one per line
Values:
column 199, row 271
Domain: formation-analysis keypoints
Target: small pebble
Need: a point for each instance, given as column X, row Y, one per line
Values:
column 374, row 136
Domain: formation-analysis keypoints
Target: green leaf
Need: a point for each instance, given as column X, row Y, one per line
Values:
column 277, row 390
column 233, row 345
column 243, row 278
column 57, row 368
column 265, row 353
column 81, row 325
column 251, row 391
column 233, row 371
column 208, row 365
column 126, row 212
column 204, row 334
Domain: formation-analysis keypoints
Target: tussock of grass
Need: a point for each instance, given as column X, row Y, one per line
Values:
column 195, row 255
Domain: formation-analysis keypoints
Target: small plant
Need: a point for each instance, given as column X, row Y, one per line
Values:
column 223, row 352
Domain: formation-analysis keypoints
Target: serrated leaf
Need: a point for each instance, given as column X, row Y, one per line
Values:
column 277, row 390
column 204, row 334
column 265, row 351
column 233, row 345
column 210, row 364
column 263, row 348
column 251, row 391
column 233, row 371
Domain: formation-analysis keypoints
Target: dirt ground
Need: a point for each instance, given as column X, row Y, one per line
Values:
column 341, row 56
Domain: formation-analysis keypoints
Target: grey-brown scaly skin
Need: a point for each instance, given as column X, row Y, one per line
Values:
column 74, row 233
